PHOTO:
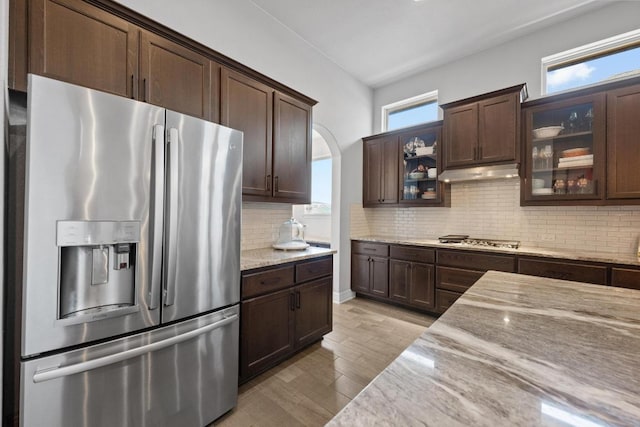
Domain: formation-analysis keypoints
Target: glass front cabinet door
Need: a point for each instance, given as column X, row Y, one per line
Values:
column 420, row 164
column 564, row 151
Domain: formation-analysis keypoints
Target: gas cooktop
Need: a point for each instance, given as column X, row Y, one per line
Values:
column 465, row 239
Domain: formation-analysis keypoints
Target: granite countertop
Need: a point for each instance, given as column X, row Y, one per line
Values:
column 519, row 351
column 266, row 257
column 630, row 259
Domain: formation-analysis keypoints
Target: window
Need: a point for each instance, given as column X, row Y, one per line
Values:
column 320, row 188
column 408, row 112
column 611, row 58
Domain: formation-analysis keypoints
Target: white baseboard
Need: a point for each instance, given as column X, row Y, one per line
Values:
column 344, row 296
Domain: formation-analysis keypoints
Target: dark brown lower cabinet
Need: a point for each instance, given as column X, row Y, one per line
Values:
column 266, row 332
column 458, row 270
column 275, row 325
column 564, row 270
column 314, row 310
column 369, row 275
column 625, row 278
column 445, row 299
column 412, row 283
column 402, row 274
column 433, row 279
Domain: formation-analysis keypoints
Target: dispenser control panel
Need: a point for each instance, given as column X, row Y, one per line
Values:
column 83, row 233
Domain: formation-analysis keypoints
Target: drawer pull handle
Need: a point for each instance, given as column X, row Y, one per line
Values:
column 559, row 274
column 272, row 281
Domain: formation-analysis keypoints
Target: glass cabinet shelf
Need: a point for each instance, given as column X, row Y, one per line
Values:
column 419, row 167
column 564, row 149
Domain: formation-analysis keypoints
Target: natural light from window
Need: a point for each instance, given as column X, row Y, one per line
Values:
column 320, row 187
column 612, row 58
column 412, row 116
column 411, row 111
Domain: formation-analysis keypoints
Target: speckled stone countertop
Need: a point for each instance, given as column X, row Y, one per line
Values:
column 522, row 250
column 266, row 257
column 515, row 350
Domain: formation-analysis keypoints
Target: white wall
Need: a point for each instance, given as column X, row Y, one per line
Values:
column 511, row 63
column 242, row 31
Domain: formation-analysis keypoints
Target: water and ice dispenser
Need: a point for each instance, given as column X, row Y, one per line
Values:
column 97, row 267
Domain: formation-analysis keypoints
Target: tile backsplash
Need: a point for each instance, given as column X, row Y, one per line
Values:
column 491, row 209
column 261, row 223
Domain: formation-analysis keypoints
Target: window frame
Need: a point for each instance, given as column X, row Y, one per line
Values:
column 414, row 101
column 584, row 53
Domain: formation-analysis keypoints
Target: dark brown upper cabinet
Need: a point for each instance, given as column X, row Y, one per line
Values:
column 291, row 149
column 592, row 155
column 623, row 143
column 420, row 164
column 247, row 105
column 567, row 167
column 81, row 44
column 277, row 139
column 401, row 167
column 483, row 129
column 174, row 77
column 103, row 45
column 380, row 166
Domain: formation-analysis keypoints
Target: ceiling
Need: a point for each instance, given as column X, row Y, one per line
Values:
column 381, row 41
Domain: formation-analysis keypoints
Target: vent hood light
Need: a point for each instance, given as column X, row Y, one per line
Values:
column 480, row 173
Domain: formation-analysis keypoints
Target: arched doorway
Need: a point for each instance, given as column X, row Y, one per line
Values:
column 316, row 216
column 322, row 217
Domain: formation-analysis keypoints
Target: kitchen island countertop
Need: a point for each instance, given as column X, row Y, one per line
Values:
column 266, row 257
column 515, row 350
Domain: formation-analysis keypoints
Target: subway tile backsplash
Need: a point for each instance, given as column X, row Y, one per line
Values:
column 261, row 223
column 491, row 209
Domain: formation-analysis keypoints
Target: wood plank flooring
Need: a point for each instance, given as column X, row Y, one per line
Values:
column 314, row 385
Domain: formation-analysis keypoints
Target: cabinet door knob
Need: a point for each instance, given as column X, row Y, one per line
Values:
column 132, row 92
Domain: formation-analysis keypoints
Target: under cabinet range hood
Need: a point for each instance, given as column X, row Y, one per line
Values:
column 480, row 173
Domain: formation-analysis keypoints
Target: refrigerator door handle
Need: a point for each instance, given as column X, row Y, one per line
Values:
column 171, row 234
column 157, row 216
column 54, row 373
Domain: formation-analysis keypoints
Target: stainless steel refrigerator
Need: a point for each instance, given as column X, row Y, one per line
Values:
column 131, row 262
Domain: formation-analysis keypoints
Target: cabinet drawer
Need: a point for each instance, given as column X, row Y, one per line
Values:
column 445, row 299
column 312, row 269
column 412, row 253
column 564, row 270
column 476, row 261
column 379, row 249
column 266, row 281
column 625, row 278
column 456, row 279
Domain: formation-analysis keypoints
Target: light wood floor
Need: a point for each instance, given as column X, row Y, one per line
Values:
column 313, row 386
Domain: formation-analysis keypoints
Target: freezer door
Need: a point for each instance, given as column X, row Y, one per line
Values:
column 90, row 167
column 202, row 217
column 185, row 374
